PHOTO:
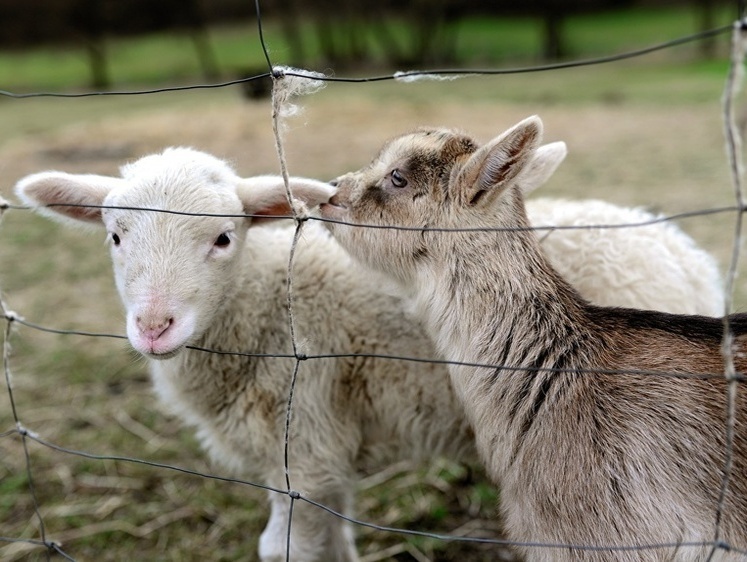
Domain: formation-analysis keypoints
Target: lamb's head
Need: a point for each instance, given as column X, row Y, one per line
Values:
column 173, row 269
column 435, row 179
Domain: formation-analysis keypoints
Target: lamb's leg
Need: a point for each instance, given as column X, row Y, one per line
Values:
column 316, row 535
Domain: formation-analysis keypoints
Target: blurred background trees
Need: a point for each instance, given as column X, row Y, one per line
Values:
column 318, row 33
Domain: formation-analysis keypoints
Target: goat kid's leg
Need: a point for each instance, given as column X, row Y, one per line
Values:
column 316, row 535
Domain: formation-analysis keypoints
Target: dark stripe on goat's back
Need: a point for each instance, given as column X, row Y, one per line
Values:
column 521, row 396
column 549, row 387
column 555, row 381
column 542, row 384
column 508, row 344
column 691, row 327
column 541, row 393
column 539, row 399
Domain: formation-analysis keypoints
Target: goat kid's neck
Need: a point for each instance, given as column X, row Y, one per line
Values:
column 493, row 299
column 489, row 284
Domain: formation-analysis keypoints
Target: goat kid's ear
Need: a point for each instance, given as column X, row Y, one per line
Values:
column 542, row 166
column 265, row 196
column 49, row 193
column 495, row 166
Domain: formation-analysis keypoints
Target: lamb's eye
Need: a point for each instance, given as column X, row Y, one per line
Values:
column 398, row 180
column 223, row 240
column 115, row 238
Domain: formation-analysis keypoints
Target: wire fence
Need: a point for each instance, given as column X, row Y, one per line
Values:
column 284, row 93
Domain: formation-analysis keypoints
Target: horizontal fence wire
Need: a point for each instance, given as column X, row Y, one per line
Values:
column 398, row 358
column 277, row 74
column 535, row 227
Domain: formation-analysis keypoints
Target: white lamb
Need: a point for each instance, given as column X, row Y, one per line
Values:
column 656, row 266
column 219, row 282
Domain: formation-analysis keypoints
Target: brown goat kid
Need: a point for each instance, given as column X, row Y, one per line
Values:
column 630, row 465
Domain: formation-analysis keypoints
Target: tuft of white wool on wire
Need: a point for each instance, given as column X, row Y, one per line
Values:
column 408, row 76
column 289, row 83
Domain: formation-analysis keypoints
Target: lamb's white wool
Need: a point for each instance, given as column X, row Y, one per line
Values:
column 653, row 266
column 218, row 282
column 656, row 266
column 289, row 82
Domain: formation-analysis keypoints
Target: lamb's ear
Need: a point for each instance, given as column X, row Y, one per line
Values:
column 546, row 160
column 495, row 166
column 265, row 196
column 50, row 193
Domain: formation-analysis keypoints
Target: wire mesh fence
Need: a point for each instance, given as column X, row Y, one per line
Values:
column 288, row 84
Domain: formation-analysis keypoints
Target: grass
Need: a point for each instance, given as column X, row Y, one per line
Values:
column 644, row 132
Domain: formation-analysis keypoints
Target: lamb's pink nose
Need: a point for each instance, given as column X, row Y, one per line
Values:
column 153, row 328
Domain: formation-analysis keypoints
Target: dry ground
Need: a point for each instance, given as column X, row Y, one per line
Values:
column 93, row 394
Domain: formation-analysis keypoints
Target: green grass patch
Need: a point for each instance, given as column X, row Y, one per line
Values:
column 10, row 484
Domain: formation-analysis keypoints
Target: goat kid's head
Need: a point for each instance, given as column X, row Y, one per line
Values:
column 436, row 178
column 172, row 269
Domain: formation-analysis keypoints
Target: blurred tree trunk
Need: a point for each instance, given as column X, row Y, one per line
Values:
column 391, row 46
column 205, row 54
column 196, row 22
column 290, row 16
column 100, row 79
column 339, row 34
column 87, row 18
column 431, row 26
column 325, row 34
column 706, row 21
column 430, row 36
column 553, row 46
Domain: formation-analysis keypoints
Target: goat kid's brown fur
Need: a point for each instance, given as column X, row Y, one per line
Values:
column 587, row 454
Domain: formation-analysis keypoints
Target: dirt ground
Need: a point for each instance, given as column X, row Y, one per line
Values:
column 94, row 394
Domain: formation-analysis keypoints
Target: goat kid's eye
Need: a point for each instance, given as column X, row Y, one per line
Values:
column 223, row 240
column 115, row 239
column 398, row 180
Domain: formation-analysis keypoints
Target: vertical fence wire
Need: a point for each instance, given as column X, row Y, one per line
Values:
column 10, row 317
column 736, row 168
